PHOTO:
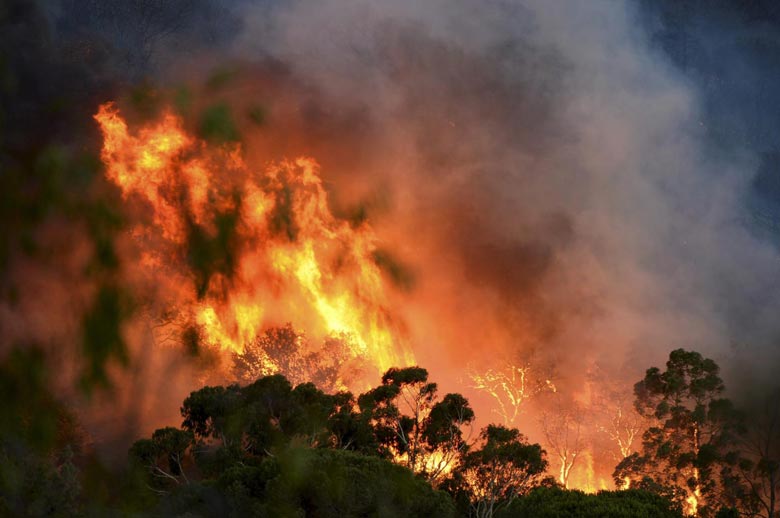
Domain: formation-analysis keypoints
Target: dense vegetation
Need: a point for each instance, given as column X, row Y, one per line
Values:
column 268, row 448
column 692, row 450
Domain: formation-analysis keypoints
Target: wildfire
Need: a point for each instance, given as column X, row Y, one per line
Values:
column 260, row 243
column 694, row 498
column 236, row 247
column 692, row 504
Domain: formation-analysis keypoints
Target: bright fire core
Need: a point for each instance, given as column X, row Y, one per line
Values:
column 247, row 247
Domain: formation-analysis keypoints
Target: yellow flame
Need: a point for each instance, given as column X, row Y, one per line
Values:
column 297, row 262
column 692, row 504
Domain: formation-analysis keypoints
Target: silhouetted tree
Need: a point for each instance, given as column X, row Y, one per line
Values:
column 688, row 454
column 284, row 350
column 562, row 425
column 414, row 428
column 163, row 457
column 214, row 413
column 505, row 467
column 759, row 467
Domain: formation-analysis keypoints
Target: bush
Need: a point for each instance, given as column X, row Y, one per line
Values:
column 560, row 503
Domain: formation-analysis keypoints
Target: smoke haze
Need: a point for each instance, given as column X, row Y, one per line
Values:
column 553, row 168
column 553, row 180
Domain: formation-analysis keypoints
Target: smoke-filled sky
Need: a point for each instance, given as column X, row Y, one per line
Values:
column 555, row 180
column 581, row 182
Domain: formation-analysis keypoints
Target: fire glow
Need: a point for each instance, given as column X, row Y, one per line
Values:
column 236, row 248
column 289, row 255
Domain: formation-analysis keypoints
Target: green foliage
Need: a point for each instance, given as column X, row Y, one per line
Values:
column 692, row 449
column 217, row 124
column 505, row 467
column 351, row 430
column 214, row 252
column 335, row 483
column 37, row 441
column 246, row 443
column 102, row 335
column 443, row 424
column 411, row 425
column 314, row 483
column 231, row 434
column 214, row 412
column 29, row 412
column 33, row 486
column 410, row 376
column 560, row 503
column 163, row 456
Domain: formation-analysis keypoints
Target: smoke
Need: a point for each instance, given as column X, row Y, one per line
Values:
column 558, row 185
column 552, row 170
column 544, row 171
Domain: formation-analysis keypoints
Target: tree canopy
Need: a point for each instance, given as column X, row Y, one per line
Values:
column 689, row 453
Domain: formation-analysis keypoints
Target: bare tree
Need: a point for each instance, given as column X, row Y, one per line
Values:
column 562, row 426
column 512, row 386
column 612, row 403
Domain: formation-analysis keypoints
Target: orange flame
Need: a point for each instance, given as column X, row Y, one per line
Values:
column 295, row 260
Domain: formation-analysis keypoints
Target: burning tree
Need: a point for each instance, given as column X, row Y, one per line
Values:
column 623, row 426
column 505, row 467
column 414, row 428
column 283, row 350
column 511, row 386
column 563, row 431
column 240, row 247
column 687, row 456
column 618, row 421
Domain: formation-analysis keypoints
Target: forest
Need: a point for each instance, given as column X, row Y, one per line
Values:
column 367, row 258
column 268, row 448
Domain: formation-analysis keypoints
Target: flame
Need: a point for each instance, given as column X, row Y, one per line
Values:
column 694, row 498
column 586, row 479
column 692, row 504
column 293, row 259
column 290, row 259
